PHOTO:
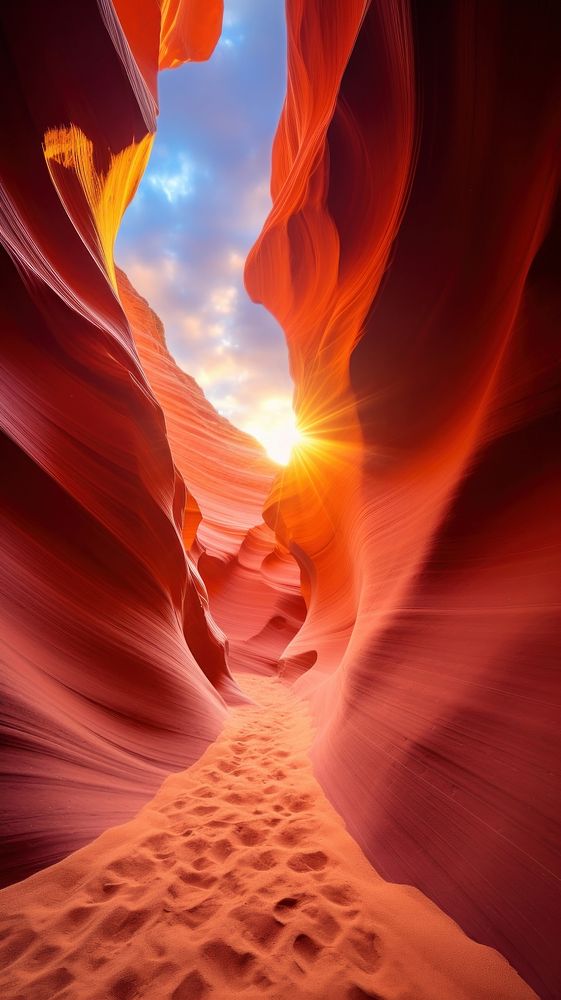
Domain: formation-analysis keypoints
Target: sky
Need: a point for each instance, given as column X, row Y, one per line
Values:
column 199, row 208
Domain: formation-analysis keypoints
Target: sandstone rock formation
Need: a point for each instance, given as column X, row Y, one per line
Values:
column 253, row 582
column 410, row 256
column 102, row 695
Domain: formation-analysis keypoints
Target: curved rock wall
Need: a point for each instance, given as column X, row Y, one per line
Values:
column 253, row 582
column 102, row 696
column 410, row 256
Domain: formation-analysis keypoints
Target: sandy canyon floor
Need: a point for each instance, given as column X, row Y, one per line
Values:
column 237, row 880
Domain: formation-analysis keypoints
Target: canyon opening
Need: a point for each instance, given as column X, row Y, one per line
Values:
column 280, row 717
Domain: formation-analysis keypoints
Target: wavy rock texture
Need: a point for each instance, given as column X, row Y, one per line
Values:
column 253, row 582
column 410, row 256
column 102, row 695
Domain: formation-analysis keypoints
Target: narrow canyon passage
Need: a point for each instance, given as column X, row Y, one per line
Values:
column 397, row 581
column 237, row 880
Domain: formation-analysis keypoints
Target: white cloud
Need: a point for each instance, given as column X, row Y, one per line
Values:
column 192, row 326
column 174, row 184
column 223, row 300
column 152, row 281
column 236, row 261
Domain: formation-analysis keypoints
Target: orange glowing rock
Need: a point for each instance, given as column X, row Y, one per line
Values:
column 411, row 256
column 189, row 31
column 406, row 256
column 252, row 581
column 110, row 644
column 95, row 202
column 162, row 36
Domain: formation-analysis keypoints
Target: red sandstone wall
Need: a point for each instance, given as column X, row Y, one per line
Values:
column 410, row 256
column 102, row 696
column 253, row 582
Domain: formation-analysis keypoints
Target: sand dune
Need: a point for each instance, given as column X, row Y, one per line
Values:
column 237, row 880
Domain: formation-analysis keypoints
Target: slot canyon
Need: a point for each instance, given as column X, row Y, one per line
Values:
column 286, row 732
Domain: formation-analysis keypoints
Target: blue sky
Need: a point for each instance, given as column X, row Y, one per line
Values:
column 199, row 208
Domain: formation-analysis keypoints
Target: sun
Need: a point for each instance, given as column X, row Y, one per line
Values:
column 280, row 441
column 276, row 428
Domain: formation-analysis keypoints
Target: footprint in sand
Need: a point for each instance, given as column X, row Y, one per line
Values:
column 135, row 868
column 261, row 928
column 44, row 955
column 204, row 810
column 325, row 924
column 264, row 862
column 17, row 944
column 222, row 849
column 197, row 844
column 197, row 879
column 233, row 885
column 158, row 842
column 343, row 894
column 175, row 806
column 197, row 915
column 270, row 790
column 289, row 903
column 226, row 767
column 356, row 993
column 306, row 948
column 217, row 824
column 262, row 981
column 72, row 920
column 297, row 802
column 50, row 984
column 242, row 798
column 247, row 835
column 293, row 834
column 365, row 949
column 125, row 987
column 193, row 987
column 278, row 774
column 228, row 962
column 183, row 831
column 199, row 864
column 121, row 924
column 311, row 861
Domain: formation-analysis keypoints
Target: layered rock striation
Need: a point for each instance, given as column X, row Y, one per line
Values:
column 102, row 694
column 410, row 255
column 252, row 581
